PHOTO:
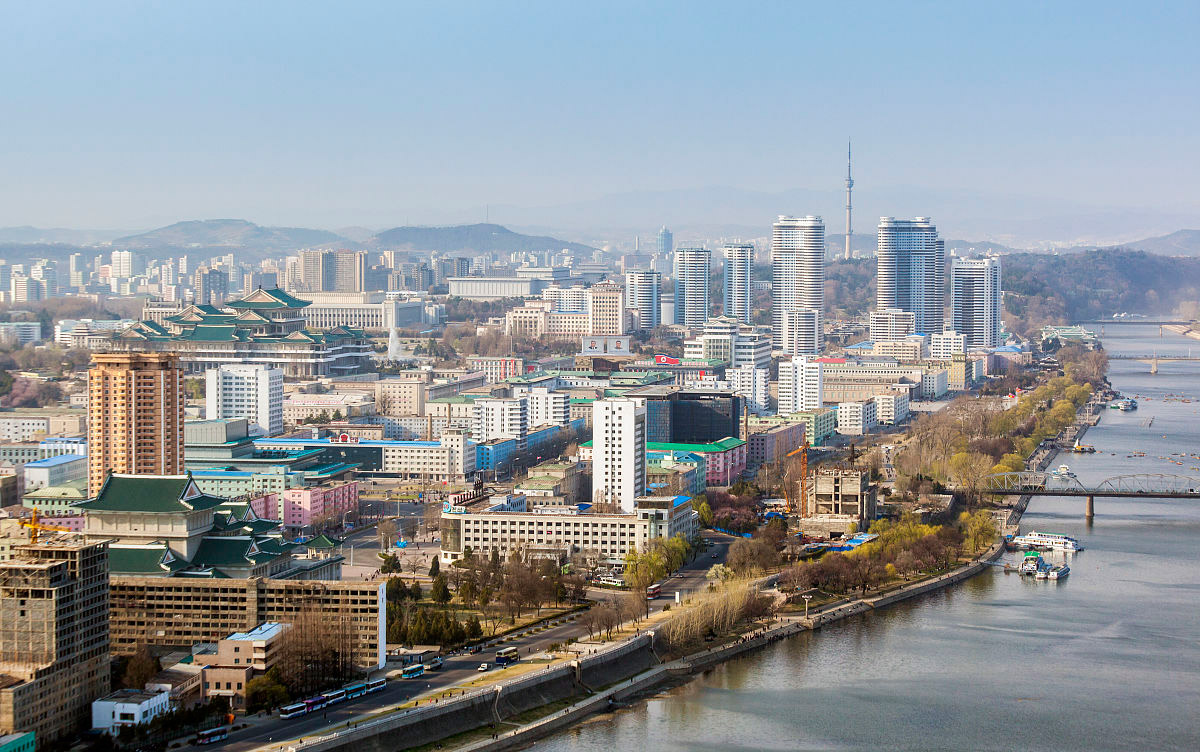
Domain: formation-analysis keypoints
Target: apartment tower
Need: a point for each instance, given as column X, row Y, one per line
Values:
column 911, row 271
column 246, row 390
column 642, row 295
column 692, row 270
column 975, row 300
column 135, row 416
column 739, row 260
column 618, row 451
column 798, row 284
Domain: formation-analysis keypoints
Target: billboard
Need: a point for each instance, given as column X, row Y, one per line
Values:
column 605, row 345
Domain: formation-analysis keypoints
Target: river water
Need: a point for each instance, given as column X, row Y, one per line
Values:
column 1108, row 659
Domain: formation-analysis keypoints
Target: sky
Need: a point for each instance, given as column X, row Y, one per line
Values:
column 133, row 115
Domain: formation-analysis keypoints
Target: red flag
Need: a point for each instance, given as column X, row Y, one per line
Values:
column 666, row 360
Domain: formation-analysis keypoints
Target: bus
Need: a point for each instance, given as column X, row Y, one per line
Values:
column 376, row 685
column 505, row 656
column 412, row 672
column 654, row 591
column 610, row 581
column 434, row 665
column 315, row 703
column 357, row 689
column 208, row 736
column 293, row 711
column 335, row 696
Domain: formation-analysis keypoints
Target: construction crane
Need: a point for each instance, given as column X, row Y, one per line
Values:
column 34, row 526
column 802, row 450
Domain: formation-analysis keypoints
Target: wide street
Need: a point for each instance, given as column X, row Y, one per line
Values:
column 461, row 668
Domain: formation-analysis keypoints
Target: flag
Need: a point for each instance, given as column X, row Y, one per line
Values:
column 666, row 360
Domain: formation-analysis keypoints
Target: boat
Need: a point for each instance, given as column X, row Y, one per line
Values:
column 1083, row 448
column 1058, row 573
column 1031, row 563
column 1042, row 573
column 1062, row 471
column 1047, row 541
column 1124, row 405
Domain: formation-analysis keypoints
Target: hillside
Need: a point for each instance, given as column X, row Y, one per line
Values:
column 1178, row 243
column 228, row 233
column 475, row 238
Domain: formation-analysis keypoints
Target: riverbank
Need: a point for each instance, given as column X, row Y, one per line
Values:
column 1185, row 329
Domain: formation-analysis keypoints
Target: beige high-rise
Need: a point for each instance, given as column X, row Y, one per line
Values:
column 135, row 416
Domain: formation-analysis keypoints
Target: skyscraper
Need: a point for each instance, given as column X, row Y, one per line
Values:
column 618, row 451
column 800, row 383
column 666, row 242
column 975, row 300
column 211, row 286
column 246, row 390
column 798, row 284
column 911, row 271
column 739, row 261
column 692, row 269
column 642, row 294
column 606, row 309
column 135, row 416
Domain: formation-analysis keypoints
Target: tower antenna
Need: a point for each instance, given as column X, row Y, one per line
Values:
column 849, row 188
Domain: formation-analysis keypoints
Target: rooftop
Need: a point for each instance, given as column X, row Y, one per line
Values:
column 130, row 695
column 168, row 494
column 265, row 631
column 62, row 459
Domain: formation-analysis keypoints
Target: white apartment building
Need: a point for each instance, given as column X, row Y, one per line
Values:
column 692, row 270
column 496, row 368
column 618, row 451
column 911, row 348
column 911, row 271
column 945, row 345
column 500, row 418
column 128, row 707
column 891, row 408
column 739, row 263
column 253, row 392
column 753, row 384
column 567, row 299
column 856, row 418
column 547, row 407
column 725, row 338
column 801, row 380
column 975, row 300
column 642, row 290
column 891, row 324
column 450, row 459
column 798, row 284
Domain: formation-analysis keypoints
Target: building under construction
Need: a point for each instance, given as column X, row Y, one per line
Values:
column 54, row 651
column 836, row 498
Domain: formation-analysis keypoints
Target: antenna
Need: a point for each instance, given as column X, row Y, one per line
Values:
column 849, row 203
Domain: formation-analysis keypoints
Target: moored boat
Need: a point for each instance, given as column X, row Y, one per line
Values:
column 1058, row 573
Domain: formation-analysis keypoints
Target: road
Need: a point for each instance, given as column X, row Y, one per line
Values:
column 461, row 668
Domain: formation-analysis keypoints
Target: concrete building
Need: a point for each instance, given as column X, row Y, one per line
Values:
column 500, row 418
column 367, row 311
column 55, row 471
column 801, row 385
column 856, row 418
column 135, row 416
column 911, row 271
column 911, row 348
column 606, row 310
column 619, row 464
column 507, row 523
column 54, row 636
column 739, row 265
column 642, row 296
column 753, row 385
column 945, row 345
column 798, row 284
column 253, row 392
column 837, row 498
column 692, row 269
column 975, row 300
column 891, row 324
column 240, row 657
column 128, row 708
column 567, row 299
column 450, row 459
column 726, row 339
column 891, row 408
column 301, row 508
column 546, row 407
column 497, row 368
column 773, row 442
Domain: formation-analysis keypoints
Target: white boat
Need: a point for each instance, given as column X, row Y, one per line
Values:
column 1042, row 573
column 1030, row 564
column 1050, row 541
column 1058, row 573
column 1062, row 471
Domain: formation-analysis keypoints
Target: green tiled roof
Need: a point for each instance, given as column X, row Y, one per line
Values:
column 324, row 541
column 273, row 298
column 211, row 333
column 225, row 552
column 143, row 559
column 458, row 399
column 166, row 494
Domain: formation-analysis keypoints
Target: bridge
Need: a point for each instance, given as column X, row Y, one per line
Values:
column 1154, row 359
column 1128, row 320
column 1140, row 486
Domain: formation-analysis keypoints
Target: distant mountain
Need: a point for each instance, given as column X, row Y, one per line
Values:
column 27, row 235
column 471, row 238
column 1178, row 243
column 229, row 233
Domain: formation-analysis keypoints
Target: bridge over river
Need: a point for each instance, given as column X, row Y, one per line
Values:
column 1139, row 486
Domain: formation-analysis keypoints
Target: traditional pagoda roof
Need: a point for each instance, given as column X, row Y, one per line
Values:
column 323, row 542
column 265, row 299
column 230, row 552
column 144, row 558
column 211, row 333
column 162, row 494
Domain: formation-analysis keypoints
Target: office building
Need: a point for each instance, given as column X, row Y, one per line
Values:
column 857, row 418
column 450, row 459
column 798, row 284
column 752, row 385
column 800, row 384
column 619, row 463
column 911, row 271
column 975, row 300
column 739, row 264
column 128, row 708
column 642, row 296
column 573, row 299
column 547, row 407
column 890, row 324
column 500, row 418
column 606, row 310
column 211, row 286
column 135, row 416
column 945, row 345
column 666, row 242
column 126, row 264
column 728, row 340
column 253, row 392
column 54, row 636
column 692, row 270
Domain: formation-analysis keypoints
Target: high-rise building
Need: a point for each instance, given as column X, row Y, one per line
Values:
column 798, row 284
column 317, row 272
column 945, row 345
column 618, row 451
column 800, row 383
column 211, row 286
column 739, row 261
column 692, row 270
column 889, row 324
column 500, row 418
column 666, row 242
column 46, row 272
column 729, row 340
column 135, row 416
column 975, row 300
column 77, row 270
column 349, row 271
column 911, row 271
column 126, row 264
column 642, row 295
column 54, row 639
column 253, row 392
column 606, row 309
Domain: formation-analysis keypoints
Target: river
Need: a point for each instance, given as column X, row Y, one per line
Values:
column 1108, row 659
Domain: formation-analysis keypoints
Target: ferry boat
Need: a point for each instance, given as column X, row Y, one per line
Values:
column 1124, row 405
column 1031, row 563
column 1058, row 573
column 1049, row 541
column 1062, row 471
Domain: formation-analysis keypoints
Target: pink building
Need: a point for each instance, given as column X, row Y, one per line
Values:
column 725, row 460
column 298, row 508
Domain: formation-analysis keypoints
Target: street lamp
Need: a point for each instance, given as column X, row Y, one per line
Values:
column 807, row 597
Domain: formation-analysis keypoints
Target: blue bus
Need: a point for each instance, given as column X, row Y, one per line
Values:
column 412, row 672
column 505, row 656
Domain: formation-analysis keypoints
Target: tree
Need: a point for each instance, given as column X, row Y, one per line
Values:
column 705, row 512
column 141, row 668
column 265, row 693
column 474, row 628
column 434, row 567
column 440, row 591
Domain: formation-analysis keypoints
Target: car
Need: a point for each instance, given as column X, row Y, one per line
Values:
column 483, row 667
column 714, row 556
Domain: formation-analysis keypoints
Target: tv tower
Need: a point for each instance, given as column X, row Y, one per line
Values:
column 849, row 188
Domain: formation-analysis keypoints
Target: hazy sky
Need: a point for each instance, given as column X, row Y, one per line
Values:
column 136, row 114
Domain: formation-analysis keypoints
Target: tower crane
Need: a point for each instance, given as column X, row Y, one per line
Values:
column 35, row 526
